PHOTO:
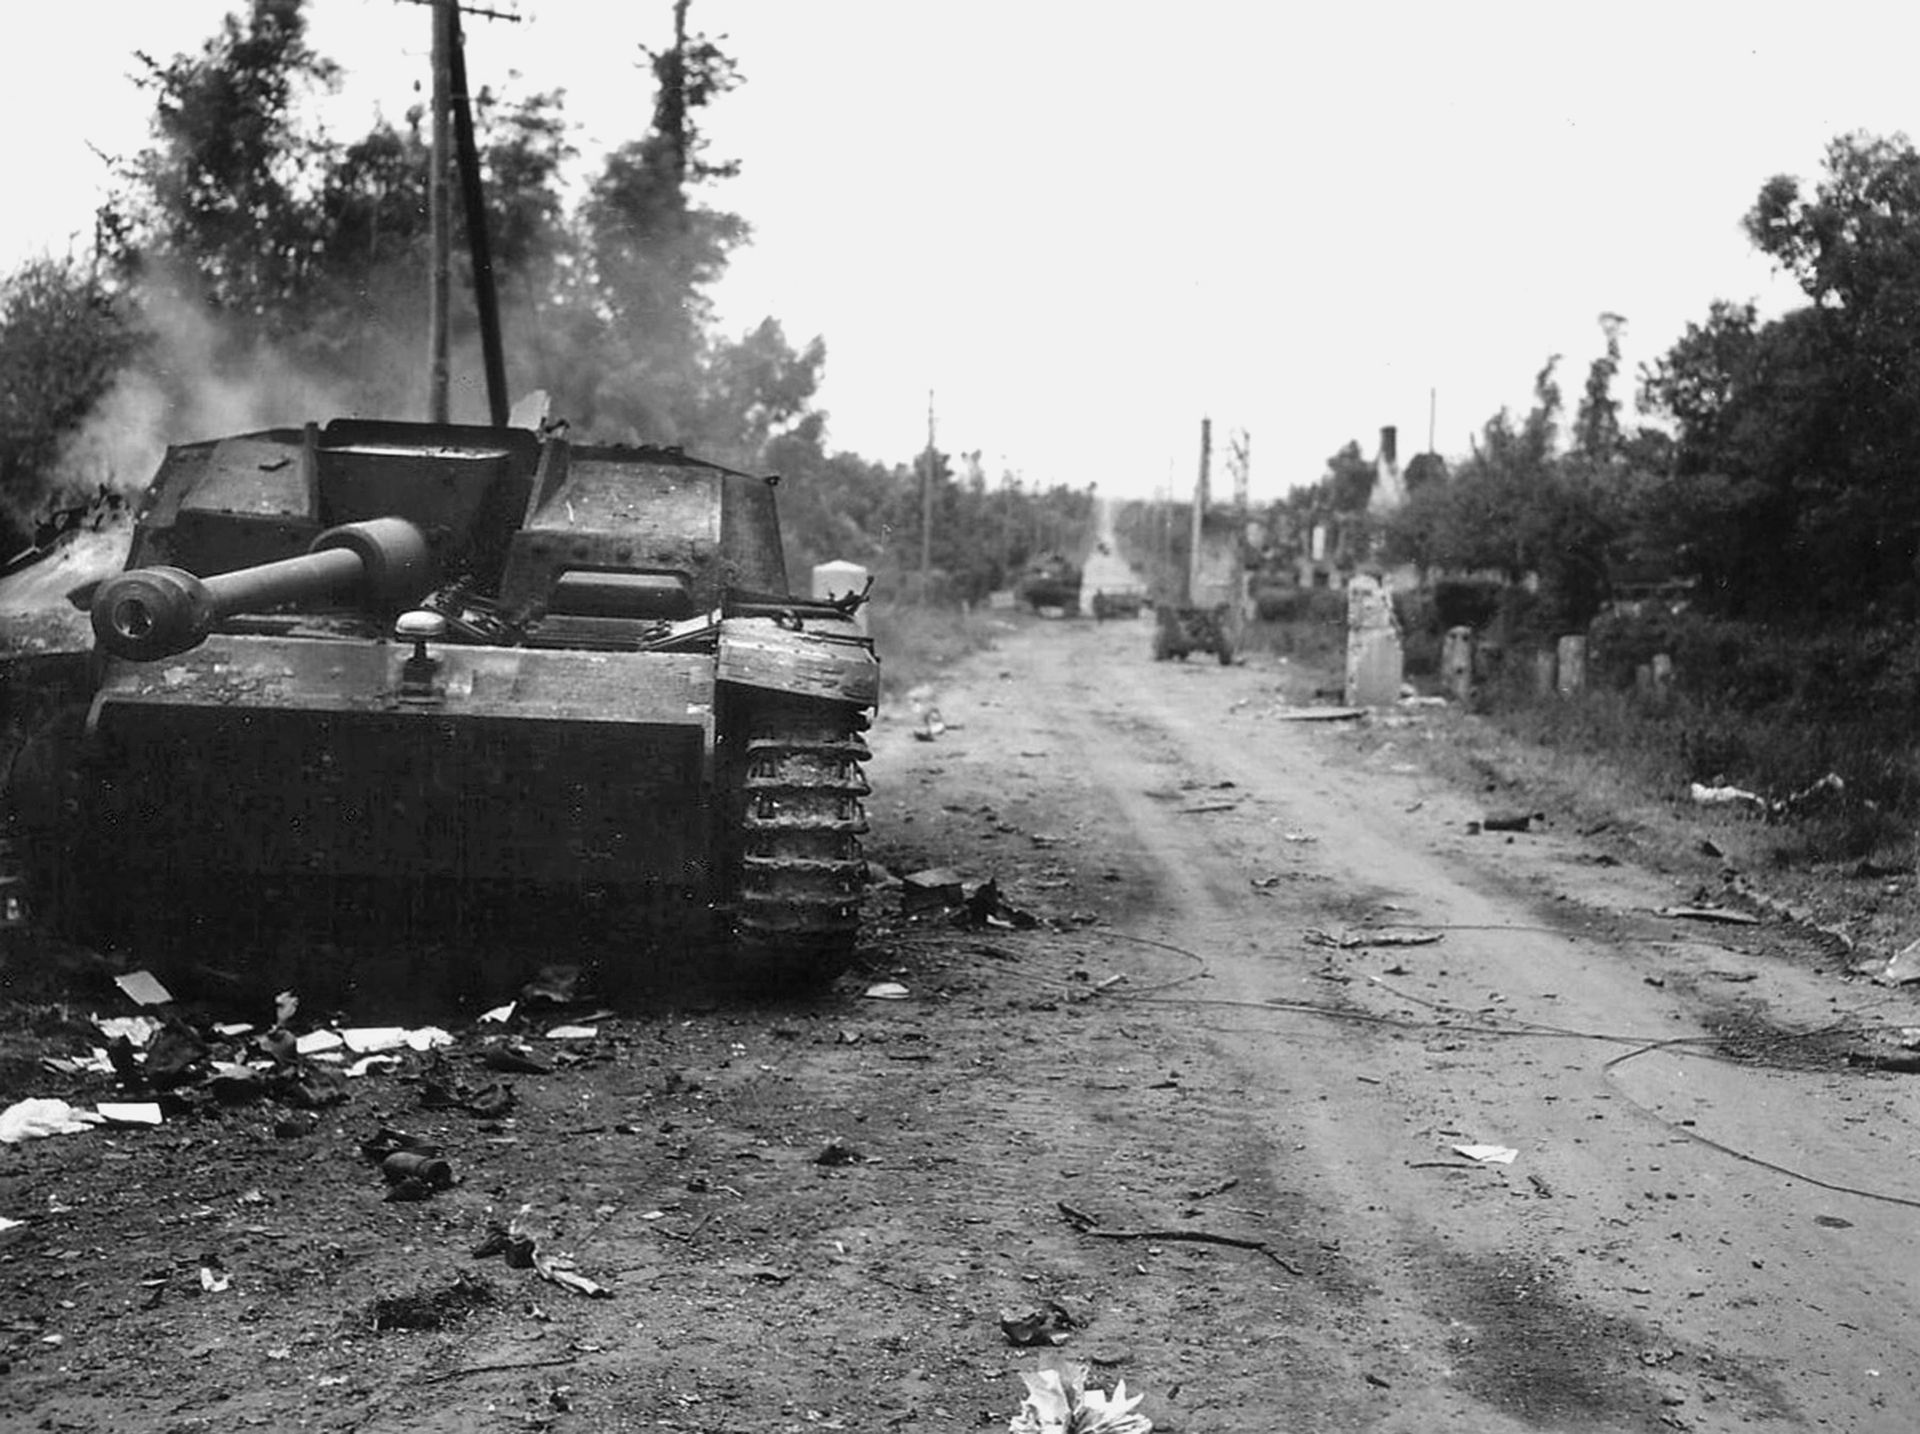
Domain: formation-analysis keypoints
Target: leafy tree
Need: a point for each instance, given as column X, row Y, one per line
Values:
column 65, row 331
column 228, row 194
column 655, row 250
column 1349, row 480
column 1596, row 431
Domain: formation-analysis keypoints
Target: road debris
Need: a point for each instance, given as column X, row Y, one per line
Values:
column 1351, row 940
column 1507, row 822
column 31, row 1118
column 1489, row 1154
column 1060, row 1400
column 986, row 907
column 1090, row 1225
column 144, row 1112
column 512, row 1058
column 407, row 1168
column 143, row 988
column 1902, row 967
column 1048, row 1323
column 522, row 1251
column 886, row 991
column 936, row 889
column 1726, row 915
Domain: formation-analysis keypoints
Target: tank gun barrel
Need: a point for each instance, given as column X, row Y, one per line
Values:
column 148, row 613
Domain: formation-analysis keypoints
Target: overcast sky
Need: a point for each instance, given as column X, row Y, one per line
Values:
column 1084, row 224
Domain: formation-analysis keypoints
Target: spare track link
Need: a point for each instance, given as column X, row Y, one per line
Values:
column 802, row 871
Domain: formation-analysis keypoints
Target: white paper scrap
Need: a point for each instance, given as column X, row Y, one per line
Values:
column 313, row 1042
column 887, row 991
column 143, row 988
column 573, row 1033
column 28, row 1118
column 137, row 1029
column 428, row 1038
column 144, row 1112
column 1489, row 1154
column 366, row 1040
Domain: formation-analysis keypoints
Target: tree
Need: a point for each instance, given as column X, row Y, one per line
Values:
column 1349, row 480
column 655, row 250
column 229, row 192
column 64, row 334
column 1841, row 440
column 1596, row 429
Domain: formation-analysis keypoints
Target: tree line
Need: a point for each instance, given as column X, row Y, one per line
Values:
column 1773, row 472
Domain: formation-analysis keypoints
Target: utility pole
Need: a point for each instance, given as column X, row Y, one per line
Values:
column 1202, row 495
column 451, row 107
column 926, row 508
column 439, row 214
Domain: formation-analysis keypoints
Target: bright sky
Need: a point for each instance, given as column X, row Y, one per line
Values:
column 1081, row 225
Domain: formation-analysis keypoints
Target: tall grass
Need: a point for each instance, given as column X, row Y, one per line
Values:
column 1771, row 712
column 918, row 642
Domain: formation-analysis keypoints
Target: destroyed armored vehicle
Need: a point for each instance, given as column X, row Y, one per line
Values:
column 1117, row 604
column 1179, row 631
column 481, row 667
column 1050, row 581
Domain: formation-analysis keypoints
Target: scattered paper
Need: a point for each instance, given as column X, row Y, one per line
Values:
column 314, row 1042
column 887, row 991
column 137, row 1029
column 212, row 1283
column 96, row 1063
column 372, row 1040
column 1489, row 1154
column 573, row 1033
column 1903, row 966
column 144, row 1112
column 499, row 1015
column 143, row 988
column 27, row 1119
column 6, row 1224
column 367, row 1040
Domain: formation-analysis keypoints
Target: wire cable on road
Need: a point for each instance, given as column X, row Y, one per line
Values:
column 1516, row 1027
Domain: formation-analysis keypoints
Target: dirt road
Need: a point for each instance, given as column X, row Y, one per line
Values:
column 1202, row 1125
column 1680, row 1241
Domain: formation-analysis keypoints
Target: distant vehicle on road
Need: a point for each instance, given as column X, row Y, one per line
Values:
column 1050, row 580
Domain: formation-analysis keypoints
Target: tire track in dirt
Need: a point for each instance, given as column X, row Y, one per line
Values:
column 1552, row 1295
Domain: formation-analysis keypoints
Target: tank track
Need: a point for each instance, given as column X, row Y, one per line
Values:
column 802, row 872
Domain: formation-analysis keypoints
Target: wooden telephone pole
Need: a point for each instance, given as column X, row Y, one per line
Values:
column 1202, row 495
column 439, row 213
column 453, row 114
column 926, row 508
